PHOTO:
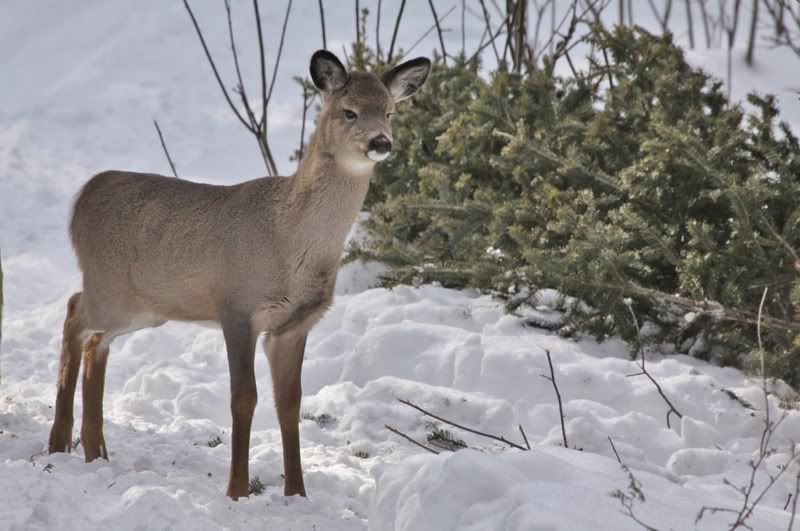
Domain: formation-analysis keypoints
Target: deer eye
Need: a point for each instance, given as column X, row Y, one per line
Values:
column 350, row 115
column 389, row 114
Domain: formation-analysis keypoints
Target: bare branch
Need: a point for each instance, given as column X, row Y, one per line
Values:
column 763, row 368
column 612, row 442
column 358, row 23
column 169, row 159
column 438, row 30
column 240, row 87
column 214, row 69
column 644, row 368
column 322, row 22
column 750, row 498
column 396, row 27
column 690, row 22
column 552, row 379
column 524, row 437
column 463, row 27
column 433, row 27
column 751, row 40
column 378, row 31
column 486, row 19
column 280, row 51
column 409, row 439
column 794, row 500
column 263, row 122
column 663, row 20
column 459, row 426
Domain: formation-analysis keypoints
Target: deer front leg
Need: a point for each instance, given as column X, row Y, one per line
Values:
column 240, row 341
column 285, row 355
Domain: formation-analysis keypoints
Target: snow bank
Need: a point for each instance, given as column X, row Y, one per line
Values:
column 454, row 353
column 543, row 490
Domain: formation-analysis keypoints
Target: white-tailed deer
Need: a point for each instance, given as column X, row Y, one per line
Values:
column 256, row 257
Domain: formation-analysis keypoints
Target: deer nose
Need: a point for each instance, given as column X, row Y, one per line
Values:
column 380, row 145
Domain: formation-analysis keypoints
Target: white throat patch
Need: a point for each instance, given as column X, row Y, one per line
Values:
column 377, row 157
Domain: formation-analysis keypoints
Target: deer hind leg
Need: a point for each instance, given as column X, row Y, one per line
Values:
column 71, row 346
column 95, row 357
column 285, row 355
column 240, row 341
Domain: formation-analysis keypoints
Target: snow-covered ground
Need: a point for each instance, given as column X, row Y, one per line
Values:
column 81, row 85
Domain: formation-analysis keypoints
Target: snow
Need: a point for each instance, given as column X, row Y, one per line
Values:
column 81, row 98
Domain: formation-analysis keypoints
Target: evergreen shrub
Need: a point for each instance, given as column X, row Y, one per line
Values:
column 632, row 185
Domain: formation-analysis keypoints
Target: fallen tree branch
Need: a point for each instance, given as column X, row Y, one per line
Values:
column 409, row 439
column 499, row 438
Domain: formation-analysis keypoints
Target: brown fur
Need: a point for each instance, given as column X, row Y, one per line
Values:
column 260, row 256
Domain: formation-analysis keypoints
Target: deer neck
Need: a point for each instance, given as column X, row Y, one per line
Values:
column 327, row 193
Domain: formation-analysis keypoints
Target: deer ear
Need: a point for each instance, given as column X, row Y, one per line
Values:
column 327, row 72
column 407, row 78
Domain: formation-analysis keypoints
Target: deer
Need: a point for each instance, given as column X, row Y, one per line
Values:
column 257, row 258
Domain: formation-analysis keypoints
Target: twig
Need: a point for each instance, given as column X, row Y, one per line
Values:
column 166, row 152
column 763, row 364
column 794, row 501
column 552, row 379
column 263, row 122
column 463, row 28
column 358, row 24
column 280, row 51
column 689, row 23
column 492, row 37
column 459, row 426
column 644, row 369
column 433, row 27
column 322, row 22
column 409, row 439
column 615, row 449
column 240, row 87
column 378, row 31
column 524, row 437
column 439, row 31
column 750, row 502
column 751, row 40
column 396, row 27
column 214, row 69
column 489, row 27
column 261, row 126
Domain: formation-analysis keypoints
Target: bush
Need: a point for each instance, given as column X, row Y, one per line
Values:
column 634, row 182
